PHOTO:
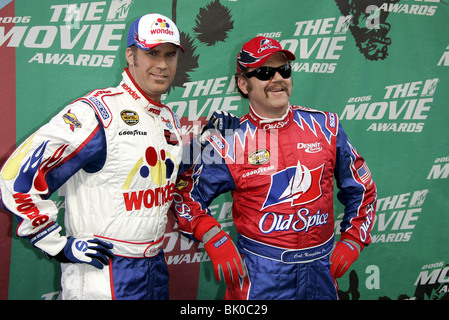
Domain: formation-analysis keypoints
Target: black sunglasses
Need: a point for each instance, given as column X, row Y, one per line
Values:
column 266, row 73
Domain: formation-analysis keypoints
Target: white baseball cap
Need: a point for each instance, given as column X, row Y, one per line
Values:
column 151, row 30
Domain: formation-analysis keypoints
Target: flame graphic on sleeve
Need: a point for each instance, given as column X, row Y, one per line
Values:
column 12, row 166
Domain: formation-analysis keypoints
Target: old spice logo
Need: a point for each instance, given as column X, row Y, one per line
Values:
column 276, row 125
column 305, row 184
column 303, row 187
column 303, row 221
column 266, row 44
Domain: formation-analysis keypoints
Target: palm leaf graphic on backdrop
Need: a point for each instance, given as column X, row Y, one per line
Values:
column 213, row 22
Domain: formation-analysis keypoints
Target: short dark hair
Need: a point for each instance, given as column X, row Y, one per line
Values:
column 241, row 74
column 134, row 50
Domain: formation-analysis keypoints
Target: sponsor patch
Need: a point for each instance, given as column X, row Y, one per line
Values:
column 181, row 184
column 259, row 157
column 129, row 117
column 71, row 120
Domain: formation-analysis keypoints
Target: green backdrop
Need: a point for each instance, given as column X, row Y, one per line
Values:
column 382, row 66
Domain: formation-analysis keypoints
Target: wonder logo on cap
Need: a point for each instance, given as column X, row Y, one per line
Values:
column 152, row 30
column 161, row 26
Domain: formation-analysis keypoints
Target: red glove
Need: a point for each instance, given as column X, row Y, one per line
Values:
column 344, row 255
column 224, row 256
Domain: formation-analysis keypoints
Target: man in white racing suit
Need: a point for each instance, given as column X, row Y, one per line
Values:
column 114, row 155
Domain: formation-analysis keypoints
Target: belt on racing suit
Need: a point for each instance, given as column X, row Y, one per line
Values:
column 128, row 249
column 286, row 255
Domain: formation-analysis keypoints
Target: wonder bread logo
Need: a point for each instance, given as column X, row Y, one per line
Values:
column 161, row 26
column 158, row 166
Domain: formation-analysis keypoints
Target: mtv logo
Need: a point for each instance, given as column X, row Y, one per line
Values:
column 430, row 87
column 418, row 198
column 118, row 10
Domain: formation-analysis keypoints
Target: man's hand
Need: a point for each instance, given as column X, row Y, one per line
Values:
column 92, row 251
column 224, row 256
column 344, row 255
column 220, row 121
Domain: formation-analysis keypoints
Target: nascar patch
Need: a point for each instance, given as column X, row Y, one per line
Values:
column 259, row 157
column 129, row 117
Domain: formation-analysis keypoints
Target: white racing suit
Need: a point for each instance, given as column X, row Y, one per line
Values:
column 114, row 155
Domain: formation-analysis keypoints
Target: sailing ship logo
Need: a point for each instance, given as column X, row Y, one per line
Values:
column 298, row 185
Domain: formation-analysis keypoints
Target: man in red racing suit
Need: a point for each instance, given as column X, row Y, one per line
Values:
column 280, row 172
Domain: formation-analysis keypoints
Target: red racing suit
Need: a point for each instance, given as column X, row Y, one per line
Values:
column 281, row 174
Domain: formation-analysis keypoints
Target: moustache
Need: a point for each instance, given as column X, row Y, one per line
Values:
column 276, row 86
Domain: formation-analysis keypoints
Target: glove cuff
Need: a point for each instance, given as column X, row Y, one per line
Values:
column 356, row 243
column 210, row 234
column 49, row 240
column 204, row 225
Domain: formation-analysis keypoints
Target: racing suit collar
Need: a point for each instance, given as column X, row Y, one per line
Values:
column 130, row 87
column 269, row 123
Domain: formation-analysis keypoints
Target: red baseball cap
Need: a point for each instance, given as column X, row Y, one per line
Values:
column 257, row 51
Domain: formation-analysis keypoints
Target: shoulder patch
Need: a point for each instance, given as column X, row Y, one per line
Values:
column 71, row 119
column 219, row 143
column 332, row 122
column 96, row 100
column 327, row 122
